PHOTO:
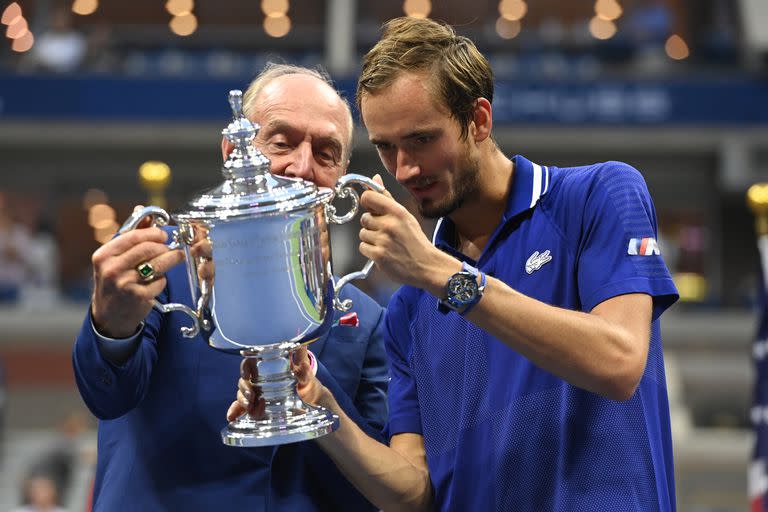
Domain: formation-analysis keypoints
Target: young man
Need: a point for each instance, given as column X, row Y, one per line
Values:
column 525, row 351
column 160, row 398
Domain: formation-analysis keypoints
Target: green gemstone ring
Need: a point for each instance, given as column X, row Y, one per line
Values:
column 146, row 271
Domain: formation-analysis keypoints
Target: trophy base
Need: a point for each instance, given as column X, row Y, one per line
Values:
column 285, row 418
column 289, row 426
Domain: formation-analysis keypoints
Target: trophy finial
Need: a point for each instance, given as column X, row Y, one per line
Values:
column 241, row 130
column 236, row 102
column 245, row 160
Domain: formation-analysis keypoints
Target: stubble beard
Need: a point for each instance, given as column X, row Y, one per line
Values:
column 464, row 186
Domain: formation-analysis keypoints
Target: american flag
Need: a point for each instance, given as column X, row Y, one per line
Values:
column 758, row 476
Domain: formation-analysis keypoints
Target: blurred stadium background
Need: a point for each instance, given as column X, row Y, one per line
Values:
column 91, row 92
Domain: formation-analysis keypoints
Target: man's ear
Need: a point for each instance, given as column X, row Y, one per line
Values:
column 482, row 120
column 226, row 148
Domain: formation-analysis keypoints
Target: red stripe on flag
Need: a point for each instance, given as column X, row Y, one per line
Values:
column 643, row 245
column 756, row 504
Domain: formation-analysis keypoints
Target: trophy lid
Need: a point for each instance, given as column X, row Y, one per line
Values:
column 249, row 188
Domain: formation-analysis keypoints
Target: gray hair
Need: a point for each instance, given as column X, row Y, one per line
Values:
column 275, row 70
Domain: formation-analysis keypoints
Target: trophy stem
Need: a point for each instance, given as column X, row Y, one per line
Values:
column 286, row 418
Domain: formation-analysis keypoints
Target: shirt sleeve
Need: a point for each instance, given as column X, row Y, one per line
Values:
column 404, row 411
column 618, row 250
column 117, row 350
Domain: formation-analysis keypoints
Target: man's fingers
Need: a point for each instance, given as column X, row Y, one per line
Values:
column 373, row 222
column 144, row 291
column 377, row 179
column 255, row 408
column 206, row 270
column 367, row 236
column 379, row 204
column 302, row 372
column 300, row 364
column 367, row 250
column 202, row 248
column 167, row 260
column 247, row 387
column 161, row 258
column 298, row 355
column 130, row 239
column 160, row 264
column 375, row 229
column 248, row 401
column 249, row 370
column 154, row 288
column 146, row 221
column 234, row 411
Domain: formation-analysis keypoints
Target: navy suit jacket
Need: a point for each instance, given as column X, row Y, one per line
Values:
column 161, row 412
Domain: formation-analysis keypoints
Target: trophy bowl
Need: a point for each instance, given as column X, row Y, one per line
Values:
column 258, row 259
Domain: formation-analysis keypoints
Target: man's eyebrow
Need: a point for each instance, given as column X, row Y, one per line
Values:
column 408, row 136
column 376, row 141
column 277, row 125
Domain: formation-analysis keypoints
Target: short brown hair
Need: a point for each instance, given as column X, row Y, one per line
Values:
column 458, row 73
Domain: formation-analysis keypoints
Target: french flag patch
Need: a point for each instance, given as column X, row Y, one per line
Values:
column 643, row 247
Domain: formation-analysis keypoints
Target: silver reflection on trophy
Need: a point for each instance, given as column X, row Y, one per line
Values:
column 258, row 258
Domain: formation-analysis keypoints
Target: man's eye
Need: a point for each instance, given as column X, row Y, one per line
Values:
column 383, row 146
column 327, row 156
column 279, row 145
column 424, row 139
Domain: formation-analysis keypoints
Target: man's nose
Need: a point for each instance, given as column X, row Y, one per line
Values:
column 302, row 164
column 407, row 167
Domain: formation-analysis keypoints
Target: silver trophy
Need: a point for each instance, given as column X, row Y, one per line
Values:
column 258, row 258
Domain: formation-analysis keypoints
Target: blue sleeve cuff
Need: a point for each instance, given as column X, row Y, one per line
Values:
column 117, row 350
column 662, row 290
column 403, row 424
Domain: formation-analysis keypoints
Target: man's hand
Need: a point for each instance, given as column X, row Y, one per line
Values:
column 310, row 389
column 249, row 394
column 393, row 238
column 121, row 299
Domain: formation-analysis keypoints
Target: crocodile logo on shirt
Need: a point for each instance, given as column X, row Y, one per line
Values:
column 536, row 261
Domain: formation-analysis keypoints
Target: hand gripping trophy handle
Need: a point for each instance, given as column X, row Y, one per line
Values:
column 344, row 189
column 160, row 218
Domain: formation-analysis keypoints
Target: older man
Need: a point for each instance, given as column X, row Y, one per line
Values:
column 160, row 399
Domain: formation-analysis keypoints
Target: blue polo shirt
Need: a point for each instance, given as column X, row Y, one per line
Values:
column 501, row 433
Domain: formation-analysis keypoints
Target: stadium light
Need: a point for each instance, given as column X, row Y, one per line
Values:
column 512, row 10
column 417, row 8
column 506, row 28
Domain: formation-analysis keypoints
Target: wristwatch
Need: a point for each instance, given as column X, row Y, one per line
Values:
column 462, row 290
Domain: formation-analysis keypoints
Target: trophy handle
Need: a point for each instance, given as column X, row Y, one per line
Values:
column 161, row 218
column 344, row 189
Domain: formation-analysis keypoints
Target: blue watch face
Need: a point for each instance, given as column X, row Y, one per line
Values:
column 462, row 288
